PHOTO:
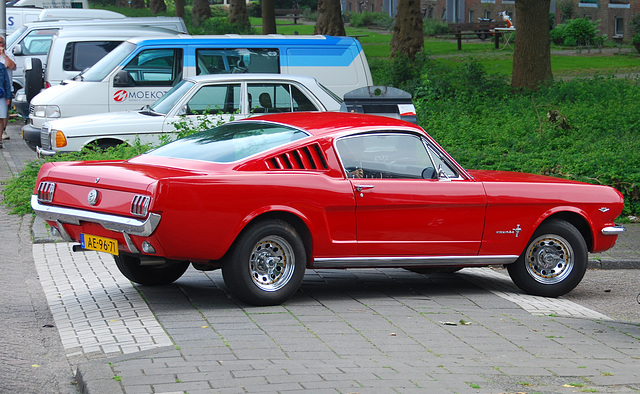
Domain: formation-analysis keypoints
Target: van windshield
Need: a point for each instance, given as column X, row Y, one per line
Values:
column 13, row 37
column 100, row 70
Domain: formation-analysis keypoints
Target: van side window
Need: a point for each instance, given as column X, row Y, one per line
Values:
column 155, row 67
column 215, row 99
column 241, row 60
column 81, row 55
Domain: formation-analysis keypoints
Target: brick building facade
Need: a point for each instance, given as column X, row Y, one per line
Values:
column 614, row 15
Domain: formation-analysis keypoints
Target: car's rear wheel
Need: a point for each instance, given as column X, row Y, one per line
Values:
column 150, row 275
column 554, row 261
column 266, row 264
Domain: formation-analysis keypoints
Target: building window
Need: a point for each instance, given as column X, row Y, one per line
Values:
column 619, row 24
column 619, row 4
column 488, row 1
column 487, row 14
column 508, row 1
column 589, row 3
column 470, row 15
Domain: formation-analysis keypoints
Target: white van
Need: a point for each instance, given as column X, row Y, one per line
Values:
column 18, row 16
column 52, row 3
column 34, row 39
column 141, row 70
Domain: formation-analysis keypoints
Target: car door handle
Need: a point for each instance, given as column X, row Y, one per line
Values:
column 360, row 188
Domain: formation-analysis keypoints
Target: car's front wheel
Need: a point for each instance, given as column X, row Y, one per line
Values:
column 554, row 261
column 266, row 264
column 150, row 275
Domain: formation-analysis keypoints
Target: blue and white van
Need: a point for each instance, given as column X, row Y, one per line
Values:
column 141, row 70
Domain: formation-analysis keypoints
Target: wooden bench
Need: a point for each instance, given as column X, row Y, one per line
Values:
column 480, row 29
column 291, row 13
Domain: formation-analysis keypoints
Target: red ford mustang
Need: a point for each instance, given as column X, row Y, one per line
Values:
column 267, row 197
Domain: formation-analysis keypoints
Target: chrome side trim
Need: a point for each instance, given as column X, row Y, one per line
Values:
column 613, row 230
column 142, row 228
column 412, row 261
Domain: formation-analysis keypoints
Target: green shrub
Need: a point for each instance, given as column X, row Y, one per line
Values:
column 558, row 34
column 367, row 19
column 583, row 30
column 433, row 27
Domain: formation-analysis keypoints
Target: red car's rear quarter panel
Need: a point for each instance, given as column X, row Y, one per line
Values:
column 202, row 216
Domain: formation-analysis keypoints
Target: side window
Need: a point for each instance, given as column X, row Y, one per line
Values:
column 277, row 97
column 155, row 67
column 235, row 61
column 81, row 55
column 37, row 42
column 215, row 99
column 392, row 155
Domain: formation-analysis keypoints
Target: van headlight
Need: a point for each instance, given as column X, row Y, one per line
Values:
column 46, row 111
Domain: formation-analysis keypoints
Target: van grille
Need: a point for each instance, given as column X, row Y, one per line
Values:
column 308, row 157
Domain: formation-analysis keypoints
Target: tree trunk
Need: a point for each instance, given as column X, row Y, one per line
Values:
column 122, row 3
column 532, row 51
column 201, row 11
column 157, row 6
column 408, row 35
column 238, row 14
column 138, row 4
column 269, row 17
column 329, row 19
column 180, row 8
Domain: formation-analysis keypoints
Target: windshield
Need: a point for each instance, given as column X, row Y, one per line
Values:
column 169, row 100
column 100, row 70
column 13, row 37
column 230, row 142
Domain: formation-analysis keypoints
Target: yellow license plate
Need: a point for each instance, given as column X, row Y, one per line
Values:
column 100, row 244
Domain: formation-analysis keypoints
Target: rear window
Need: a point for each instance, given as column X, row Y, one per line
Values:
column 82, row 55
column 230, row 142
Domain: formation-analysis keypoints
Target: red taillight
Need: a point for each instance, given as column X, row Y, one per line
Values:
column 47, row 85
column 140, row 205
column 45, row 191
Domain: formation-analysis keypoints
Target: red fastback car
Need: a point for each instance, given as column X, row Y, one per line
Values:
column 268, row 197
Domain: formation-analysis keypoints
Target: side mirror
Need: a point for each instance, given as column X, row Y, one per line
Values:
column 429, row 173
column 122, row 79
column 17, row 50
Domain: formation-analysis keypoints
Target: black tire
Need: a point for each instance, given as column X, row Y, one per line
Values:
column 33, row 79
column 266, row 264
column 554, row 261
column 150, row 275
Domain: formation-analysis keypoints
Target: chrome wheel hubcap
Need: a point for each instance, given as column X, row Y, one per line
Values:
column 550, row 259
column 271, row 263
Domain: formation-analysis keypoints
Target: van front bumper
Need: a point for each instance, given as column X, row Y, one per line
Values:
column 31, row 136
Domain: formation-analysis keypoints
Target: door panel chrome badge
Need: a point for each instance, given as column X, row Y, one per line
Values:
column 93, row 197
column 515, row 231
column 603, row 209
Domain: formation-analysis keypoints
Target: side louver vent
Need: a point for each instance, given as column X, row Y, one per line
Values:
column 308, row 157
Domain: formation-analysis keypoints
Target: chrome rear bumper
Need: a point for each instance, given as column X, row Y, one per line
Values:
column 143, row 228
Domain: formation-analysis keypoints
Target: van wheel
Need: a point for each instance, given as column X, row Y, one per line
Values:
column 33, row 79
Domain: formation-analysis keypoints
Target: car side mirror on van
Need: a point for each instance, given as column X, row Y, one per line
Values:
column 122, row 79
column 17, row 50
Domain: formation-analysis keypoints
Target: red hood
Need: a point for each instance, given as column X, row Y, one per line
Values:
column 507, row 176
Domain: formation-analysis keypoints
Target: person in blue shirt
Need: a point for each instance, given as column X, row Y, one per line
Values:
column 5, row 94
